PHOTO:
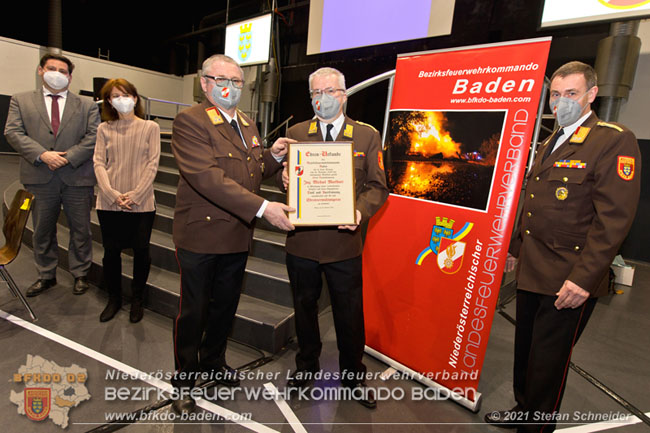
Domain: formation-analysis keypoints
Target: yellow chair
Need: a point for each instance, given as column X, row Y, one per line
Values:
column 13, row 229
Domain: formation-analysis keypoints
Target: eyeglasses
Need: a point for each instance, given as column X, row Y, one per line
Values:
column 331, row 91
column 223, row 81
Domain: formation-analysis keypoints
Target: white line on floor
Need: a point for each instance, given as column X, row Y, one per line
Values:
column 285, row 409
column 209, row 406
column 605, row 425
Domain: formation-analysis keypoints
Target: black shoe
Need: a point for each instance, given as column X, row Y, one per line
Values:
column 40, row 286
column 184, row 406
column 80, row 285
column 111, row 309
column 224, row 375
column 504, row 418
column 364, row 395
column 300, row 378
column 137, row 311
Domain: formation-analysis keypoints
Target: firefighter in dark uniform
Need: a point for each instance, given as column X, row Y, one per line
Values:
column 580, row 201
column 334, row 251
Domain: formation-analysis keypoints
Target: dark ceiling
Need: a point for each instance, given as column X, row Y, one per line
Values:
column 165, row 38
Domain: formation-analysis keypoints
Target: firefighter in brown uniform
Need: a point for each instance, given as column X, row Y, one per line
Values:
column 221, row 162
column 334, row 251
column 580, row 201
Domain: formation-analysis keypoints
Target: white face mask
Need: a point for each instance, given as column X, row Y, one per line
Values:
column 56, row 80
column 123, row 104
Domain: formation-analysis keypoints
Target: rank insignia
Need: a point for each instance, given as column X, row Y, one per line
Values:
column 580, row 135
column 561, row 193
column 358, row 154
column 214, row 115
column 313, row 128
column 347, row 132
column 570, row 163
column 380, row 159
column 242, row 120
column 626, row 167
column 256, row 142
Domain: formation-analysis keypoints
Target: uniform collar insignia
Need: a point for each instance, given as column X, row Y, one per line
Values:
column 313, row 127
column 580, row 135
column 347, row 132
column 214, row 115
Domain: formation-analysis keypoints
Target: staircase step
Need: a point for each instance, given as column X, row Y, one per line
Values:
column 167, row 160
column 165, row 194
column 168, row 176
column 265, row 325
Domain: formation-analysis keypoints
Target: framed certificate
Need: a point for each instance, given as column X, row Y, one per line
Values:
column 321, row 184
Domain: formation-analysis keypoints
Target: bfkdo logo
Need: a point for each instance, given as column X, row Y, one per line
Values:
column 447, row 245
column 48, row 390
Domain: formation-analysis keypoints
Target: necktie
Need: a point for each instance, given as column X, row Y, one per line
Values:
column 328, row 135
column 56, row 121
column 235, row 126
column 551, row 144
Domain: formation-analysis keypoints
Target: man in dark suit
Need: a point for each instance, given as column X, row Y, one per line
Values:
column 222, row 162
column 54, row 131
column 579, row 204
column 335, row 251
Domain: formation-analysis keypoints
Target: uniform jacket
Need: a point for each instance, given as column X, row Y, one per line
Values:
column 579, row 205
column 29, row 132
column 329, row 244
column 220, row 178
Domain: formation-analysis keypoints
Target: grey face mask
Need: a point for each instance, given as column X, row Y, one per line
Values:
column 227, row 97
column 325, row 106
column 567, row 111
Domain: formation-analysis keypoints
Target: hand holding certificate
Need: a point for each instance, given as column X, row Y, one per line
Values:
column 321, row 184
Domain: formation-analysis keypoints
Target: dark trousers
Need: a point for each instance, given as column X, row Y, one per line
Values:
column 344, row 280
column 544, row 340
column 76, row 202
column 122, row 230
column 210, row 289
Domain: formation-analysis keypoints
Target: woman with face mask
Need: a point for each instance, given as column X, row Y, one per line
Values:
column 126, row 161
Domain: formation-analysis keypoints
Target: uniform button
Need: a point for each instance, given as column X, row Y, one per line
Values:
column 530, row 214
column 532, row 196
column 527, row 232
column 207, row 218
column 248, row 159
column 577, row 248
column 252, row 174
column 537, row 178
column 229, row 155
column 565, row 179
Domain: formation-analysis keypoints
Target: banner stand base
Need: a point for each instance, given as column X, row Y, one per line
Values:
column 474, row 406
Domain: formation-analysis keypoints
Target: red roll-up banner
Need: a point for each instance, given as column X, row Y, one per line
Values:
column 460, row 127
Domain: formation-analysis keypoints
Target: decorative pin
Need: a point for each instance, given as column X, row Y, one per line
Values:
column 561, row 193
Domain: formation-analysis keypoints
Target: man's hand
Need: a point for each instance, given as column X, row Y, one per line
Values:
column 281, row 146
column 275, row 214
column 511, row 263
column 352, row 227
column 54, row 159
column 285, row 176
column 570, row 295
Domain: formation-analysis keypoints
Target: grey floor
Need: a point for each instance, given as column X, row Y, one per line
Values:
column 614, row 348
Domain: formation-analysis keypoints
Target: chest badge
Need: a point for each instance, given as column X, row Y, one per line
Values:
column 561, row 193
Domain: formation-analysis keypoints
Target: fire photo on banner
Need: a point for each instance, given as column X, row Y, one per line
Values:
column 445, row 157
column 459, row 133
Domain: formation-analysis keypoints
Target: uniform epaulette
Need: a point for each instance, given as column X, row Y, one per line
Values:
column 368, row 125
column 610, row 125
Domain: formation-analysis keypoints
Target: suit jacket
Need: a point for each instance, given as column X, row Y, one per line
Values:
column 217, row 199
column 29, row 132
column 329, row 244
column 579, row 205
